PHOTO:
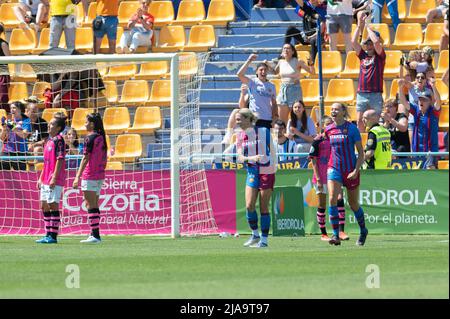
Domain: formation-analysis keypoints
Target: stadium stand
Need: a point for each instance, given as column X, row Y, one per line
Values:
column 190, row 12
column 134, row 92
column 384, row 31
column 114, row 166
column 331, row 64
column 146, row 120
column 201, row 38
column 153, row 70
column 220, row 12
column 160, row 93
column 22, row 42
column 433, row 35
column 171, row 39
column 401, row 11
column 310, row 89
column 407, row 37
column 17, row 91
column 351, row 69
column 443, row 63
column 7, row 16
column 47, row 114
column 163, row 12
column 126, row 10
column 340, row 90
column 79, row 119
column 128, row 147
column 121, row 72
column 418, row 10
column 116, row 120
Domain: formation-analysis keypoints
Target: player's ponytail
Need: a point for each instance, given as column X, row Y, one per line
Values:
column 96, row 118
column 61, row 119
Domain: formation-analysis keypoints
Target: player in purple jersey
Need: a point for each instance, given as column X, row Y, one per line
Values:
column 51, row 181
column 255, row 147
column 343, row 169
column 319, row 155
column 92, row 172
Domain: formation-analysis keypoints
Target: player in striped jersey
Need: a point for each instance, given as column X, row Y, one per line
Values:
column 51, row 181
column 255, row 147
column 343, row 169
column 92, row 172
column 284, row 144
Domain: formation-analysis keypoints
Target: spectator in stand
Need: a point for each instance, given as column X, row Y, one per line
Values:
column 31, row 13
column 306, row 34
column 361, row 7
column 39, row 127
column 288, row 69
column 372, row 61
column 301, row 127
column 4, row 73
column 419, row 87
column 14, row 136
column 340, row 17
column 397, row 124
column 106, row 23
column 439, row 12
column 426, row 121
column 262, row 93
column 392, row 6
column 73, row 147
column 63, row 18
column 284, row 144
column 443, row 45
column 244, row 101
column 141, row 30
column 420, row 62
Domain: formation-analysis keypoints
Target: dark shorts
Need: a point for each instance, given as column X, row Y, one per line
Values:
column 109, row 27
column 335, row 175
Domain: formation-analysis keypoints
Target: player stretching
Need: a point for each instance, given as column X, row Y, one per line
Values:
column 343, row 169
column 319, row 155
column 92, row 172
column 51, row 181
column 255, row 147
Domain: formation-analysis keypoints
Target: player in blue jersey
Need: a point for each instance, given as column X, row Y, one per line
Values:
column 255, row 147
column 343, row 169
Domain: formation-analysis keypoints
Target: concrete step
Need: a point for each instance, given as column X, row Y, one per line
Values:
column 250, row 41
column 269, row 14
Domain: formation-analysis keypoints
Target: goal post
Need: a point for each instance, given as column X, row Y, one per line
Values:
column 187, row 199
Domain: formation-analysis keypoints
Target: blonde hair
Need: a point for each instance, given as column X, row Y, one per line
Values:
column 248, row 115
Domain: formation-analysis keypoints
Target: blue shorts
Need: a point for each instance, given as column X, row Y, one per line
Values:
column 366, row 101
column 259, row 181
column 289, row 94
column 335, row 175
column 109, row 27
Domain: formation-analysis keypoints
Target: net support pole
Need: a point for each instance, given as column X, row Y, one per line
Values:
column 174, row 149
column 319, row 56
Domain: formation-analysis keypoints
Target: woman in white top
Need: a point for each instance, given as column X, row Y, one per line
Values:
column 288, row 68
column 31, row 13
column 301, row 127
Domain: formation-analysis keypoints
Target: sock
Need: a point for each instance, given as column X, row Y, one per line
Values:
column 321, row 220
column 265, row 226
column 341, row 210
column 334, row 219
column 94, row 222
column 359, row 215
column 252, row 218
column 54, row 223
column 47, row 222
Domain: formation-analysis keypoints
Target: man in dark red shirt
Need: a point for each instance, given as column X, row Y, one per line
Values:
column 372, row 61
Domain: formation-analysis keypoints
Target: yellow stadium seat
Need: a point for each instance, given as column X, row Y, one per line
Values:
column 153, row 70
column 128, row 148
column 114, row 166
column 22, row 73
column 160, row 94
column 79, row 119
column 407, row 37
column 44, row 41
column 22, row 42
column 384, row 94
column 392, row 67
column 7, row 16
column 38, row 167
column 394, row 89
column 146, row 120
column 433, row 35
column 163, row 12
column 92, row 13
column 383, row 29
column 102, row 68
column 303, row 56
column 310, row 89
column 17, row 91
column 351, row 110
column 443, row 164
column 442, row 64
column 386, row 18
column 3, row 114
column 126, row 10
column 201, row 38
column 443, row 118
column 134, row 92
column 108, row 143
column 331, row 64
column 111, row 92
column 83, row 39
column 443, row 90
column 418, row 10
column 121, row 72
column 364, row 136
column 171, row 39
column 340, row 90
column 39, row 89
column 220, row 12
column 116, row 120
column 104, row 47
column 47, row 114
column 351, row 69
column 277, row 83
column 190, row 12
column 188, row 64
column 340, row 40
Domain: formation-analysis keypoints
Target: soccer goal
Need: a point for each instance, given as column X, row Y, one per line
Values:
column 150, row 109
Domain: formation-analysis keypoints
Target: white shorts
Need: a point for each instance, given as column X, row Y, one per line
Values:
column 51, row 195
column 92, row 185
column 323, row 191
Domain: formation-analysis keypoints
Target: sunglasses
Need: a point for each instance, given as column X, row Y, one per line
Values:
column 420, row 77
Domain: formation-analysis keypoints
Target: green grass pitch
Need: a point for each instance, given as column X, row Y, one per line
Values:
column 415, row 266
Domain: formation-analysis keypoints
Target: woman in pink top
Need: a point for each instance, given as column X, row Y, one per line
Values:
column 92, row 172
column 51, row 181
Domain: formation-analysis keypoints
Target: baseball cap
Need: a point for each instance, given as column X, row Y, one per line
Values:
column 368, row 38
column 424, row 95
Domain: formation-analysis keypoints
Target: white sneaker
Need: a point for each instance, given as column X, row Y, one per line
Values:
column 91, row 240
column 259, row 244
column 253, row 240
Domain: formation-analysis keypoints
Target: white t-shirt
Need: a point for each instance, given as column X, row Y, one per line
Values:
column 261, row 95
column 289, row 71
column 33, row 6
column 341, row 8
